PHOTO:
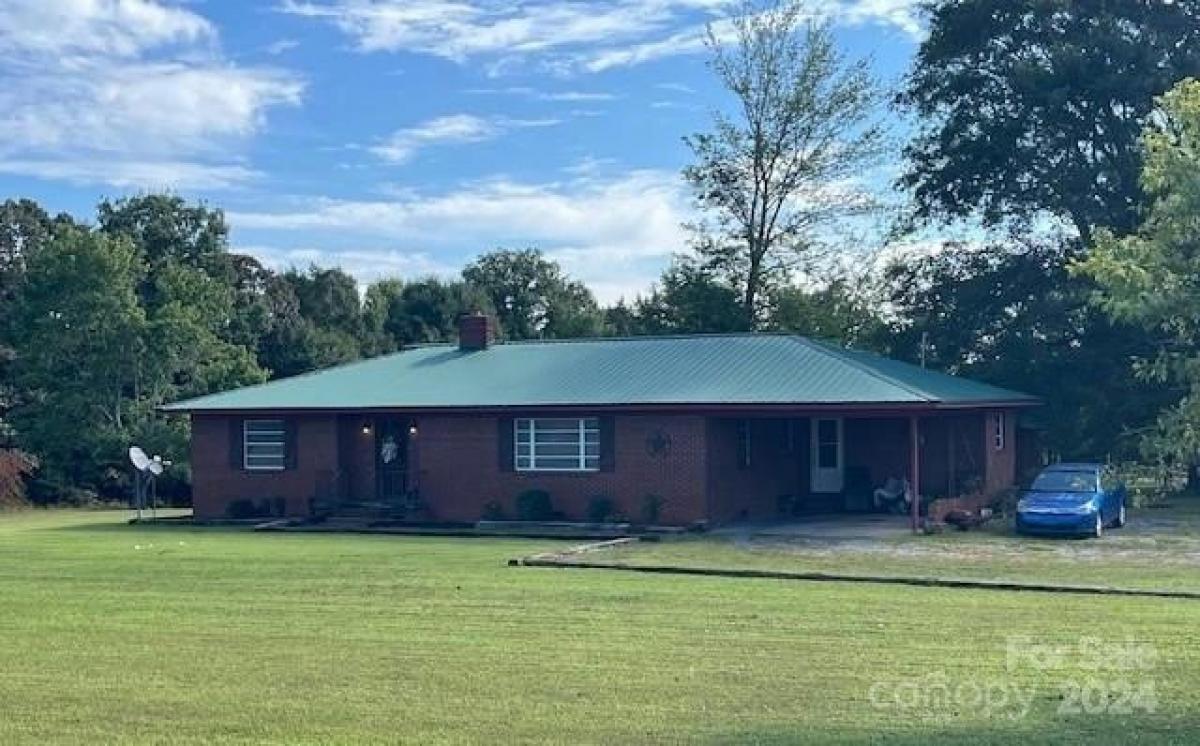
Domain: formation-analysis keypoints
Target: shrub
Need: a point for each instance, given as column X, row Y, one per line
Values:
column 600, row 509
column 494, row 511
column 534, row 505
column 242, row 509
column 651, row 509
column 1150, row 486
column 15, row 467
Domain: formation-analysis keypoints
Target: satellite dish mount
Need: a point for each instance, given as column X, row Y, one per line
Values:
column 145, row 488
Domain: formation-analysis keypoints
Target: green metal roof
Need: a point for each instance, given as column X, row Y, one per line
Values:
column 738, row 369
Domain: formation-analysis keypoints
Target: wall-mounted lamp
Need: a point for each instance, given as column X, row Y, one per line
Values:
column 366, row 428
column 412, row 430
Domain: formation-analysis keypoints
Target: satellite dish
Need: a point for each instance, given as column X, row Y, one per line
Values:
column 140, row 460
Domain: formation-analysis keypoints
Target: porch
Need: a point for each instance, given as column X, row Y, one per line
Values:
column 773, row 468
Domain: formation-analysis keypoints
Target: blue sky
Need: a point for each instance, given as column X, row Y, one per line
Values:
column 390, row 137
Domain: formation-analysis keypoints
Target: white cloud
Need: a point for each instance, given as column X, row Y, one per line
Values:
column 281, row 46
column 119, row 28
column 540, row 95
column 614, row 233
column 365, row 264
column 454, row 129
column 114, row 91
column 460, row 29
column 157, row 174
column 901, row 14
column 565, row 35
column 904, row 15
column 675, row 87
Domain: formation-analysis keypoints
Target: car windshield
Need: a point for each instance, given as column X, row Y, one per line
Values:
column 1065, row 481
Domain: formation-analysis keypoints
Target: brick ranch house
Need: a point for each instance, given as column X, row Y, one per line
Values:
column 710, row 428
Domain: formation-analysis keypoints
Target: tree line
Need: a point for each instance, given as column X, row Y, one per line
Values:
column 1069, row 138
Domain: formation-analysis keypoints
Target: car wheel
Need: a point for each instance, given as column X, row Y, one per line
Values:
column 1121, row 517
column 1098, row 529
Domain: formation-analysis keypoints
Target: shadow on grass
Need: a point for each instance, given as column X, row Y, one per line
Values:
column 123, row 525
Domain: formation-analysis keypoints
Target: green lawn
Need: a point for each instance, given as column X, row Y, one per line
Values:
column 112, row 633
column 1160, row 549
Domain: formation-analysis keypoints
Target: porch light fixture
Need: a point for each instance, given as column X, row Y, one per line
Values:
column 366, row 428
column 412, row 430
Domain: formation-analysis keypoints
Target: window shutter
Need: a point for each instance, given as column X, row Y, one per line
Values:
column 290, row 458
column 608, row 444
column 235, row 443
column 504, row 441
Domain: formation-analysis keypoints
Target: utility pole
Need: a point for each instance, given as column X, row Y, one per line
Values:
column 924, row 347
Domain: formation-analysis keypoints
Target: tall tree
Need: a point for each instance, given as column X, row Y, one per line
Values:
column 1034, row 107
column 1012, row 315
column 165, row 227
column 533, row 297
column 423, row 311
column 1152, row 277
column 25, row 227
column 770, row 178
column 81, row 333
column 836, row 312
column 314, row 322
column 689, row 299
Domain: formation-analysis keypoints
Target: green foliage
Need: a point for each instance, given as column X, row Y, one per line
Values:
column 400, row 314
column 1030, row 107
column 690, row 298
column 767, row 179
column 81, row 337
column 532, row 297
column 245, row 509
column 534, row 505
column 601, row 509
column 107, row 324
column 836, row 312
column 1149, row 278
column 1012, row 315
column 494, row 511
column 651, row 511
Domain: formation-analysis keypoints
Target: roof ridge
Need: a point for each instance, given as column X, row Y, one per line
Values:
column 642, row 338
column 848, row 359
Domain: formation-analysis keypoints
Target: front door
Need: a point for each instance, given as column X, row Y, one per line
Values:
column 391, row 459
column 828, row 468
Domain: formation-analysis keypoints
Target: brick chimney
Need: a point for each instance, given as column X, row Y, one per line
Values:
column 474, row 332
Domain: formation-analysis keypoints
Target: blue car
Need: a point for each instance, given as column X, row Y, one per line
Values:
column 1077, row 499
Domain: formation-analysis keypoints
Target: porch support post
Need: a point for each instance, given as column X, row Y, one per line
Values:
column 951, row 458
column 914, row 469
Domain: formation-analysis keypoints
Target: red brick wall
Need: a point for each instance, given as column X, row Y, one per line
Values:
column 458, row 468
column 216, row 482
column 1001, row 470
column 456, row 465
column 777, row 467
column 357, row 457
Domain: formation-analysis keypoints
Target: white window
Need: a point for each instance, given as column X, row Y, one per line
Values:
column 264, row 445
column 557, row 444
column 998, row 431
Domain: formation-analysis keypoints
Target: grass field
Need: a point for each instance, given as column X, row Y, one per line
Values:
column 173, row 634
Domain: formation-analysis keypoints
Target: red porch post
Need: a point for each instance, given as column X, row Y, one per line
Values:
column 914, row 469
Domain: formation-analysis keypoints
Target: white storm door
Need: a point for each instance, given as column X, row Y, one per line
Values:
column 828, row 455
